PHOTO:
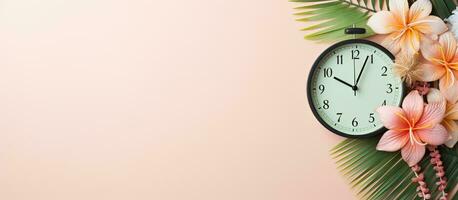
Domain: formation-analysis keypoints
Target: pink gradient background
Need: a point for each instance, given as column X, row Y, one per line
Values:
column 159, row 100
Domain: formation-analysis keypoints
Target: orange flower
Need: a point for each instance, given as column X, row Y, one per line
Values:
column 442, row 64
column 405, row 26
column 450, row 116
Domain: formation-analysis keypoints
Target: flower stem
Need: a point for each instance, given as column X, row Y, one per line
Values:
column 439, row 168
column 422, row 188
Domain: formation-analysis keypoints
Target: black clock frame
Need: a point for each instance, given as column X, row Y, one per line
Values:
column 315, row 66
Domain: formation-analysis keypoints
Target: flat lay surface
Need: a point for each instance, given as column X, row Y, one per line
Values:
column 166, row 100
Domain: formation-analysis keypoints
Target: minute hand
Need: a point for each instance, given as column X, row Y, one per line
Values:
column 361, row 72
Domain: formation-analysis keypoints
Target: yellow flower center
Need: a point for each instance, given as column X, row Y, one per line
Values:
column 413, row 139
column 411, row 128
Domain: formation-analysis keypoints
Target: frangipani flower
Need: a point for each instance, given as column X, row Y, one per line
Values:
column 412, row 127
column 442, row 64
column 450, row 116
column 406, row 27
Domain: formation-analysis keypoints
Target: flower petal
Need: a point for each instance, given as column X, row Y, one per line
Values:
column 447, row 82
column 410, row 42
column 433, row 113
column 392, row 117
column 448, row 85
column 391, row 43
column 420, row 9
column 450, row 125
column 412, row 153
column 431, row 26
column 400, row 10
column 448, row 43
column 451, row 111
column 413, row 106
column 431, row 72
column 414, row 40
column 430, row 49
column 435, row 96
column 435, row 136
column 382, row 22
column 453, row 140
column 392, row 141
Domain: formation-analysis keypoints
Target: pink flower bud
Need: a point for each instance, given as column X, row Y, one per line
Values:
column 440, row 174
column 420, row 194
column 421, row 176
column 441, row 188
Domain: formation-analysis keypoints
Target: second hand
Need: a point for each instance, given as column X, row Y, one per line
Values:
column 354, row 74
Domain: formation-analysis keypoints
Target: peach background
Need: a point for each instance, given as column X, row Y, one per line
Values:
column 163, row 100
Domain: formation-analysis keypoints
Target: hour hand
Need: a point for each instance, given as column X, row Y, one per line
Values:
column 345, row 83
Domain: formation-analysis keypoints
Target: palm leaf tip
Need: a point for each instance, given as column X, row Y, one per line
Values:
column 331, row 17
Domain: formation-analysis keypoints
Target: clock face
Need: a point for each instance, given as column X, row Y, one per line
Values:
column 348, row 82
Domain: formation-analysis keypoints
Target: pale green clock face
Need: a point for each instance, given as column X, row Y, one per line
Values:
column 348, row 105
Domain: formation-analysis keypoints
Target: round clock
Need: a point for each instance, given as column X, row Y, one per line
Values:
column 348, row 82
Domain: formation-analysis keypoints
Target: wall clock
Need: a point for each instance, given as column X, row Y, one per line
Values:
column 348, row 82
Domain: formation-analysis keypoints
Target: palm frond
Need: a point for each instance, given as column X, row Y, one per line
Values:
column 382, row 175
column 331, row 17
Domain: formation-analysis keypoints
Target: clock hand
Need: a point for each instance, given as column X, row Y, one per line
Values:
column 345, row 83
column 354, row 74
column 362, row 69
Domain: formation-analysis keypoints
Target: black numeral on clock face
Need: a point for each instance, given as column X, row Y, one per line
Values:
column 339, row 116
column 371, row 118
column 321, row 88
column 339, row 59
column 326, row 104
column 384, row 70
column 354, row 123
column 355, row 54
column 384, row 103
column 390, row 88
column 327, row 72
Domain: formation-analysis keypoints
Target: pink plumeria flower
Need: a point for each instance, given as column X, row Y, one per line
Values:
column 405, row 27
column 412, row 127
column 451, row 114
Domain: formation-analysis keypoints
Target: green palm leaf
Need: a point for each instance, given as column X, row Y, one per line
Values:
column 331, row 17
column 380, row 175
column 443, row 8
